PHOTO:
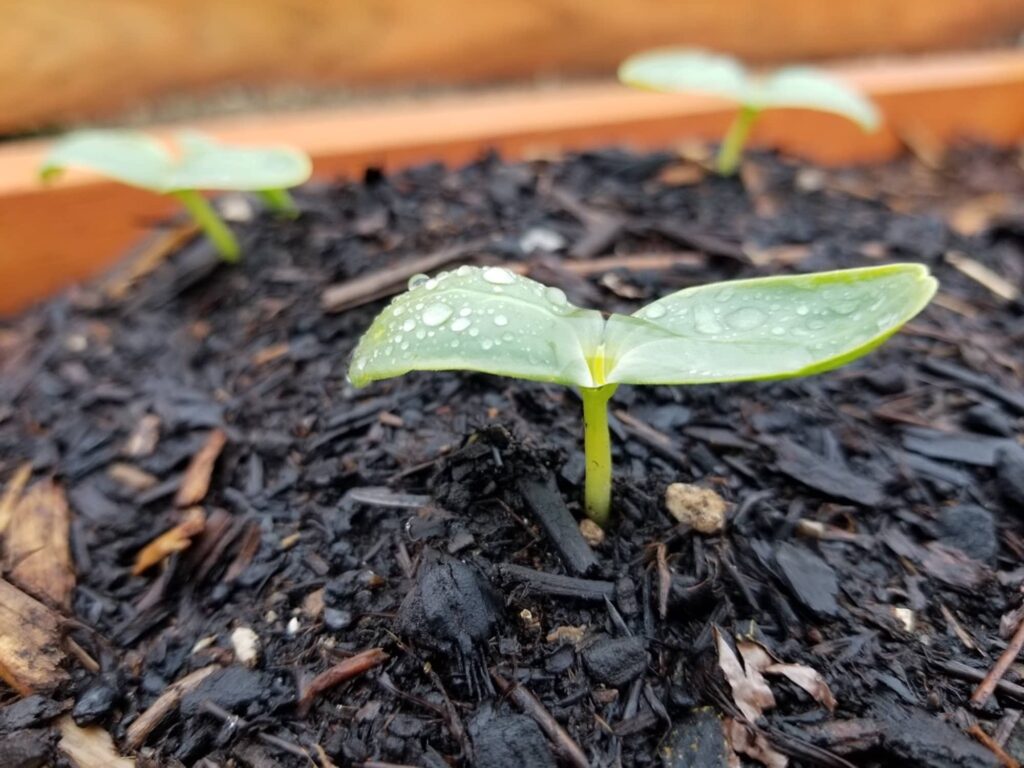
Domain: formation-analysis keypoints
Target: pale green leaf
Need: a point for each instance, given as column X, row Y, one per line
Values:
column 765, row 328
column 480, row 319
column 127, row 156
column 680, row 70
column 201, row 163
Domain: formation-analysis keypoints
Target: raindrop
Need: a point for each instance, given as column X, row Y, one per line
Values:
column 745, row 318
column 845, row 307
column 436, row 314
column 654, row 312
column 408, row 325
column 706, row 322
column 802, row 310
column 500, row 320
column 486, row 344
column 463, row 270
column 460, row 324
column 499, row 276
column 465, row 312
column 430, row 284
column 556, row 296
column 417, row 280
column 474, row 331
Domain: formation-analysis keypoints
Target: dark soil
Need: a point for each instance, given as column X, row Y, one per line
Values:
column 876, row 522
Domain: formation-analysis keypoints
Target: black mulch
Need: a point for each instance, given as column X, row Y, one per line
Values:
column 875, row 532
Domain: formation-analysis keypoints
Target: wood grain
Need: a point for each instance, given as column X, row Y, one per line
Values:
column 65, row 59
column 51, row 238
column 31, row 657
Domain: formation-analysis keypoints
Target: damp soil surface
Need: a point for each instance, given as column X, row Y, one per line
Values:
column 397, row 575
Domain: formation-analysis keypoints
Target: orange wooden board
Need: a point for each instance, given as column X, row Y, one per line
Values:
column 50, row 238
column 68, row 59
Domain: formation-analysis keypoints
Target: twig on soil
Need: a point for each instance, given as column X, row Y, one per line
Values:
column 339, row 673
column 529, row 704
column 139, row 731
column 963, row 672
column 237, row 723
column 555, row 585
column 350, row 294
column 657, row 441
column 988, row 684
column 664, row 579
column 1001, row 754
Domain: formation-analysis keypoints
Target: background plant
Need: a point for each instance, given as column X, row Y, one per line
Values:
column 800, row 87
column 493, row 321
column 200, row 164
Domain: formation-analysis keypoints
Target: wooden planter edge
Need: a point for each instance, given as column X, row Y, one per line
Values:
column 51, row 237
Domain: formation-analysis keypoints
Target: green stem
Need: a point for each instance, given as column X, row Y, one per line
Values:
column 211, row 223
column 279, row 201
column 731, row 151
column 597, row 446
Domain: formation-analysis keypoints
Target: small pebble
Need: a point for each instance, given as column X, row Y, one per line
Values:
column 700, row 508
column 337, row 619
column 293, row 626
column 246, row 645
column 593, row 533
column 510, row 741
column 971, row 529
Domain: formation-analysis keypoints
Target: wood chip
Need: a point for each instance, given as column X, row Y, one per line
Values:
column 130, row 476
column 37, row 553
column 196, row 481
column 339, row 673
column 12, row 493
column 89, row 747
column 139, row 730
column 31, row 658
column 177, row 539
column 143, row 439
column 984, row 276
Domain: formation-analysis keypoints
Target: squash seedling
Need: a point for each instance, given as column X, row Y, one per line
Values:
column 493, row 321
column 798, row 87
column 200, row 164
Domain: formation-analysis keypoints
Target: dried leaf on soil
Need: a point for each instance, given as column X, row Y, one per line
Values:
column 755, row 657
column 196, row 481
column 750, row 692
column 176, row 539
column 37, row 554
column 754, row 744
column 12, row 493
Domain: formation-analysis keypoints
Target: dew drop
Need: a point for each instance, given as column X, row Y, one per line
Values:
column 465, row 312
column 474, row 331
column 460, row 324
column 778, row 330
column 654, row 312
column 802, row 310
column 436, row 314
column 556, row 296
column 845, row 307
column 486, row 344
column 745, row 318
column 464, row 270
column 498, row 276
column 706, row 322
column 500, row 320
column 417, row 280
column 408, row 325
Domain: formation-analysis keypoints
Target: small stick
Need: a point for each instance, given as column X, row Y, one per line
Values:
column 167, row 701
column 664, row 579
column 1007, row 760
column 238, row 723
column 556, row 585
column 963, row 672
column 529, row 704
column 988, row 684
column 339, row 673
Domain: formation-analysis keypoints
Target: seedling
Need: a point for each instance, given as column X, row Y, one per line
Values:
column 680, row 70
column 201, row 164
column 493, row 321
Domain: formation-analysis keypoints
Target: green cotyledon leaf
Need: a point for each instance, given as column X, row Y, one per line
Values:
column 676, row 70
column 765, row 328
column 201, row 163
column 493, row 321
column 480, row 319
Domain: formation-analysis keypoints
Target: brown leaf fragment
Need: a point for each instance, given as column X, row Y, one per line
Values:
column 89, row 747
column 196, row 481
column 807, row 678
column 176, row 539
column 140, row 729
column 754, row 744
column 37, row 553
column 31, row 656
column 130, row 476
column 12, row 493
column 750, row 692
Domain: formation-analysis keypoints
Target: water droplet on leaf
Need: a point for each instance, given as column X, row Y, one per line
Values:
column 436, row 314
